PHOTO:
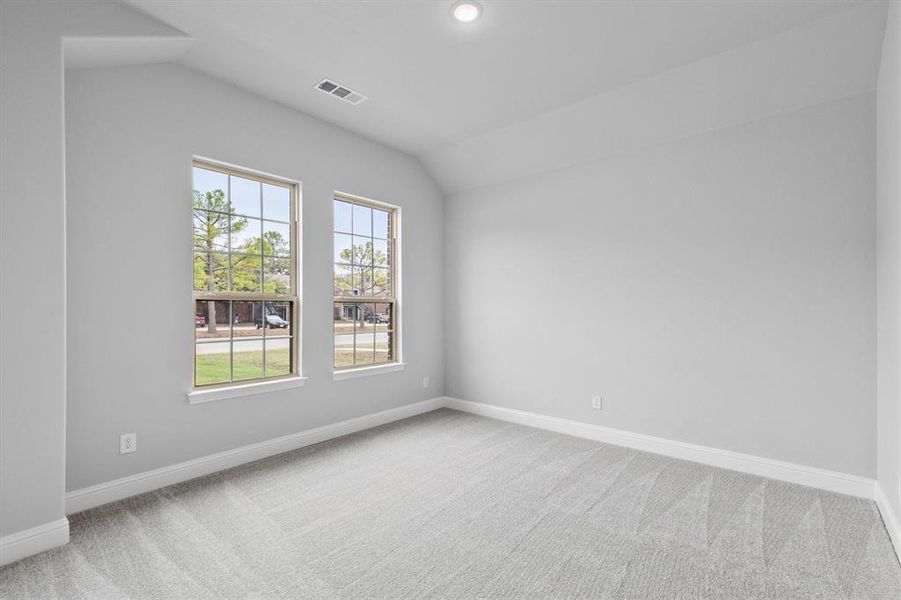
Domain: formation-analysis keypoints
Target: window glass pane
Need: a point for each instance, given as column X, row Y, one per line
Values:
column 381, row 284
column 276, row 202
column 383, row 332
column 246, row 273
column 245, row 196
column 344, row 316
column 211, row 319
column 381, row 224
column 210, row 189
column 364, row 335
column 245, row 235
column 246, row 317
column 382, row 347
column 211, row 362
column 362, row 281
column 380, row 253
column 384, row 314
column 210, row 271
column 343, row 281
column 362, row 254
column 278, row 319
column 362, row 220
column 343, row 252
column 210, row 230
column 278, row 356
column 247, row 359
column 276, row 239
column 276, row 275
column 343, row 216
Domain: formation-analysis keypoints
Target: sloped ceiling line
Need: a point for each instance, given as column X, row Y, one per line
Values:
column 831, row 58
column 638, row 74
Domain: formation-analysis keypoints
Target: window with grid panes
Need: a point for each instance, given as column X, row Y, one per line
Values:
column 245, row 276
column 365, row 295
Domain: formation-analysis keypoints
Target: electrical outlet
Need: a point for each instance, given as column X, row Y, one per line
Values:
column 128, row 443
column 597, row 403
column 425, row 382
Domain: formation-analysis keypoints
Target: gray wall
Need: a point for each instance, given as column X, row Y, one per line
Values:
column 718, row 290
column 32, row 381
column 32, row 247
column 131, row 132
column 889, row 261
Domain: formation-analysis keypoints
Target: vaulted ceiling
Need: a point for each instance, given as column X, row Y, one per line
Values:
column 534, row 86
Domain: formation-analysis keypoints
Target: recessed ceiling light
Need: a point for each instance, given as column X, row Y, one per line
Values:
column 466, row 12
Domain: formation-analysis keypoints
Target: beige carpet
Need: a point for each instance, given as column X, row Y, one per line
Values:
column 457, row 506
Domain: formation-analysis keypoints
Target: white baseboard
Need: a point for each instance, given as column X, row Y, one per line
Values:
column 16, row 546
column 96, row 495
column 49, row 535
column 890, row 518
column 831, row 481
column 43, row 537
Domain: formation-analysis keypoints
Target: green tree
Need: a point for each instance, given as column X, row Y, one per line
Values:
column 277, row 271
column 363, row 278
column 275, row 244
column 214, row 222
column 269, row 253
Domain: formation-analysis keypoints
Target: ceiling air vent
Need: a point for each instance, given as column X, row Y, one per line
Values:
column 340, row 91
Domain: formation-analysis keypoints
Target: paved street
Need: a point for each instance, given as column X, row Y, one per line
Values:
column 343, row 340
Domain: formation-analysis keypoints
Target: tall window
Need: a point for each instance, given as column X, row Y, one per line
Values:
column 365, row 304
column 245, row 291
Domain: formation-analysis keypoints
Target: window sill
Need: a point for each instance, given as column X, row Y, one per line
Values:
column 248, row 389
column 366, row 371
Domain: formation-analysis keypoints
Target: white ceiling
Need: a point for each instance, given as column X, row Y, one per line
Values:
column 834, row 57
column 436, row 86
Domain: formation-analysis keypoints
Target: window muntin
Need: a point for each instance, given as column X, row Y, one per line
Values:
column 365, row 302
column 245, row 290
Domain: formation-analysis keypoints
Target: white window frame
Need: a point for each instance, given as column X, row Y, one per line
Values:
column 396, row 278
column 207, row 393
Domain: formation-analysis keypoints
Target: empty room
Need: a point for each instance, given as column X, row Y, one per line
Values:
column 549, row 299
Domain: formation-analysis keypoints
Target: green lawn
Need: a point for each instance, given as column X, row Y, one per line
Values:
column 213, row 368
column 344, row 357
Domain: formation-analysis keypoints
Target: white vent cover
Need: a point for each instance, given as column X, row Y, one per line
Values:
column 339, row 91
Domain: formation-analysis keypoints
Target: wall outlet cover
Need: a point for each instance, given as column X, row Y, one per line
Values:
column 128, row 443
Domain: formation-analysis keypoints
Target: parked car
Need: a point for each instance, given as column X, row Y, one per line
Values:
column 199, row 320
column 377, row 318
column 273, row 322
